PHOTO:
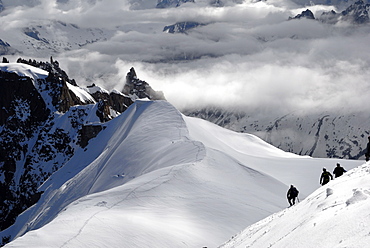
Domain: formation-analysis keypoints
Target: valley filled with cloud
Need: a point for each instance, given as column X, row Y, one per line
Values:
column 246, row 54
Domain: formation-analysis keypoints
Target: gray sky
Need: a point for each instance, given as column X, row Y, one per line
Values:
column 248, row 56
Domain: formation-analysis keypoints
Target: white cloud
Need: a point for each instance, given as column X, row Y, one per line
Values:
column 247, row 56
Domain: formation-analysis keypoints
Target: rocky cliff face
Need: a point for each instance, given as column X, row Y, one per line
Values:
column 140, row 88
column 43, row 120
column 357, row 13
column 22, row 111
column 305, row 14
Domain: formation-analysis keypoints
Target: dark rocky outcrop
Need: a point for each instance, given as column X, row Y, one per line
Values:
column 88, row 132
column 43, row 122
column 56, row 85
column 119, row 102
column 116, row 100
column 330, row 17
column 181, row 27
column 216, row 3
column 171, row 3
column 139, row 88
column 16, row 92
column 307, row 14
column 356, row 13
column 22, row 112
column 6, row 49
column 103, row 111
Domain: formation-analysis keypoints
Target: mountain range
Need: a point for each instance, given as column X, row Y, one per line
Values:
column 88, row 175
column 105, row 160
column 356, row 13
column 43, row 37
column 44, row 118
column 321, row 134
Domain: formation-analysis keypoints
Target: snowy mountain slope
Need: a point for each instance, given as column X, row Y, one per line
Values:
column 154, row 177
column 337, row 3
column 49, row 37
column 322, row 134
column 333, row 216
column 148, row 148
column 44, row 118
column 240, row 39
column 286, row 167
column 77, row 27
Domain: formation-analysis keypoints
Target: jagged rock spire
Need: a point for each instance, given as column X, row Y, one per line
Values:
column 305, row 14
column 140, row 89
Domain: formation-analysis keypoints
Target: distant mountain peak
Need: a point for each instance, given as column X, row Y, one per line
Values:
column 181, row 27
column 305, row 14
column 356, row 13
column 171, row 3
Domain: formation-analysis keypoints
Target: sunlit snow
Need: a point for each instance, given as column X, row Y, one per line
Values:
column 155, row 178
column 336, row 215
column 24, row 70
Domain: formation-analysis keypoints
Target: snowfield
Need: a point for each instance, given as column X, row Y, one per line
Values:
column 335, row 215
column 155, row 178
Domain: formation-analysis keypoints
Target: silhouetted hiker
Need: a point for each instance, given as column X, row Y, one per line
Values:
column 325, row 177
column 367, row 154
column 292, row 194
column 338, row 171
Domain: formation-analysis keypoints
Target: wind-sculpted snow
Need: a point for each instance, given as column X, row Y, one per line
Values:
column 130, row 146
column 45, row 117
column 156, row 178
column 335, row 215
column 24, row 70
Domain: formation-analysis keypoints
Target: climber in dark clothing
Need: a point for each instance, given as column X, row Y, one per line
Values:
column 367, row 154
column 292, row 194
column 325, row 177
column 338, row 171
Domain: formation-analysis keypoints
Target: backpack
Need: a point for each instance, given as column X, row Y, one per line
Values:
column 294, row 192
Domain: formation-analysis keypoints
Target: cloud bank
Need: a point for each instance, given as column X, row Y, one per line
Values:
column 248, row 56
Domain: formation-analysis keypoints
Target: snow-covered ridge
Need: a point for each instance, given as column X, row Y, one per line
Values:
column 24, row 70
column 154, row 177
column 81, row 93
column 94, row 88
column 45, row 117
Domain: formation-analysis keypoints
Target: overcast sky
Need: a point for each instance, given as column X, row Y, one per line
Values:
column 247, row 56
